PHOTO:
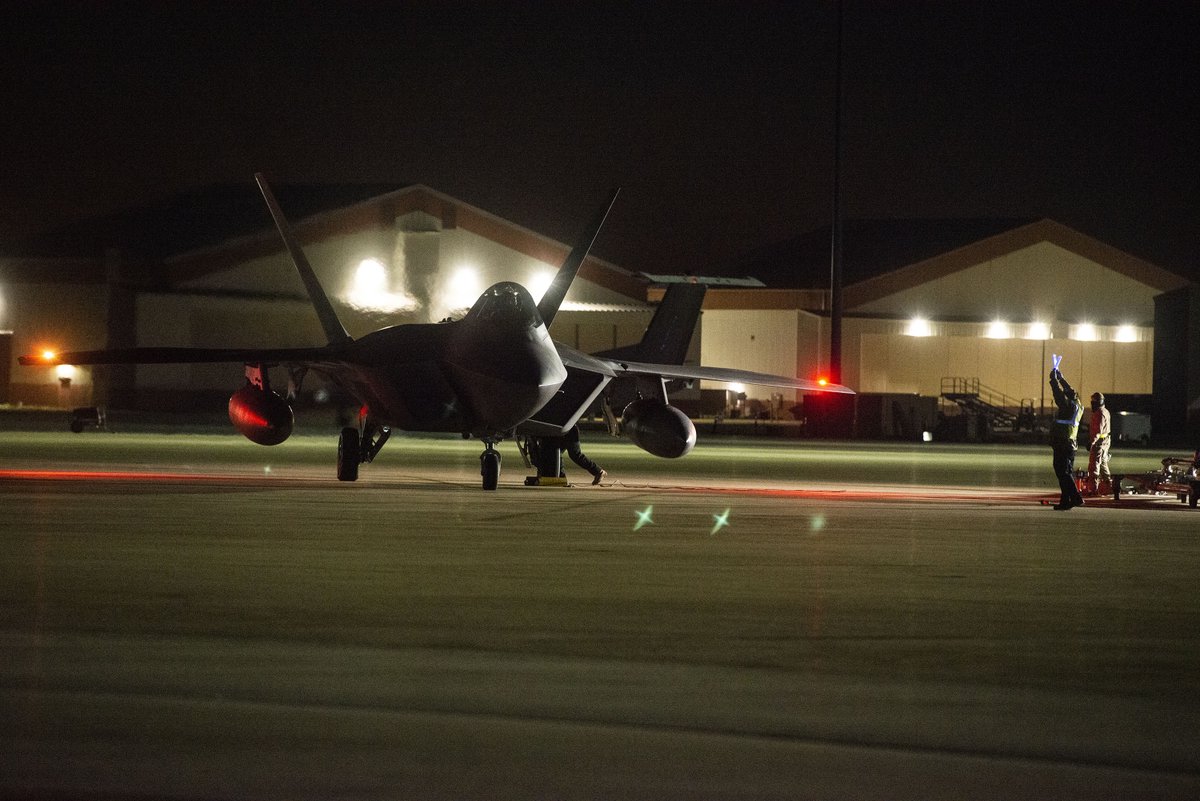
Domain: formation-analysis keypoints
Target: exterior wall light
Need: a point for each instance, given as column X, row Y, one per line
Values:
column 998, row 329
column 1085, row 332
column 539, row 283
column 1126, row 333
column 464, row 287
column 1038, row 331
column 370, row 279
column 918, row 327
column 370, row 289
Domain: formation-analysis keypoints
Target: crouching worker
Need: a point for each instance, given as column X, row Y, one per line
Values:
column 1062, row 440
column 568, row 443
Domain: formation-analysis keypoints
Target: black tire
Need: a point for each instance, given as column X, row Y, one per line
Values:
column 77, row 426
column 1194, row 495
column 349, row 455
column 489, row 468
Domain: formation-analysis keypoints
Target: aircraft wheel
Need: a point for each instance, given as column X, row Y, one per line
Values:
column 1194, row 495
column 349, row 455
column 489, row 468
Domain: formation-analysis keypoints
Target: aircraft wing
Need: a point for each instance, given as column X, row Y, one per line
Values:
column 188, row 356
column 722, row 374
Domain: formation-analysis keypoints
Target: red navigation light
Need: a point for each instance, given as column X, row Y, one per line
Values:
column 823, row 381
column 49, row 355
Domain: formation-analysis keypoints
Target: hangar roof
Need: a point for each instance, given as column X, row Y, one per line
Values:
column 189, row 235
column 875, row 249
column 188, row 221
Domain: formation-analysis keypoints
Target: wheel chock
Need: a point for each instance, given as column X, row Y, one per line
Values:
column 545, row 481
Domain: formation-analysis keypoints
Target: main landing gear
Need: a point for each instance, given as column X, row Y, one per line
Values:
column 489, row 466
column 355, row 448
column 349, row 455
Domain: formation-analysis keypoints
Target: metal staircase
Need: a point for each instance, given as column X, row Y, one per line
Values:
column 1002, row 412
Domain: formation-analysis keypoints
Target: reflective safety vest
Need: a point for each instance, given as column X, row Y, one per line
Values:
column 1068, row 428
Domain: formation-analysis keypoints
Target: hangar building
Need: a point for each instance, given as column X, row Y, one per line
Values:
column 931, row 306
column 951, row 307
column 208, row 270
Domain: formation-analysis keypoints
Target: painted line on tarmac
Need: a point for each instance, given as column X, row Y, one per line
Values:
column 883, row 494
column 893, row 494
column 255, row 478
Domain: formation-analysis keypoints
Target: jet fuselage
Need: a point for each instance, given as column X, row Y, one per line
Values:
column 481, row 375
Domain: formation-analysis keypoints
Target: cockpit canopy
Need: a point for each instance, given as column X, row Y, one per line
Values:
column 506, row 305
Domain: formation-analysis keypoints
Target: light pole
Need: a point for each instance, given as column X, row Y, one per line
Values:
column 835, row 247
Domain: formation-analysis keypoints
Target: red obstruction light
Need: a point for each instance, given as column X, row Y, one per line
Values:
column 823, row 381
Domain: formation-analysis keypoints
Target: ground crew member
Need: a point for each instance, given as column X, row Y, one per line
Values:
column 1101, row 430
column 1062, row 440
column 571, row 446
column 569, row 442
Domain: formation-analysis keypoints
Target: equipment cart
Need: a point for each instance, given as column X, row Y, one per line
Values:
column 1180, row 476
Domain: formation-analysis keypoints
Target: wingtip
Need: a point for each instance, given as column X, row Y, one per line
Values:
column 43, row 359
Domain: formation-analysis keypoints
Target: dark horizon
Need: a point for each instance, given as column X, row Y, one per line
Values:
column 717, row 120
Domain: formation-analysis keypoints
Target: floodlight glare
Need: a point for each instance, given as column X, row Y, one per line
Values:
column 1126, row 333
column 919, row 327
column 370, row 289
column 1085, row 332
column 370, row 278
column 66, row 371
column 464, row 287
column 539, row 283
column 1038, row 331
column 998, row 330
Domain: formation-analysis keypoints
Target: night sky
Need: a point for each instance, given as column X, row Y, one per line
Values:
column 717, row 119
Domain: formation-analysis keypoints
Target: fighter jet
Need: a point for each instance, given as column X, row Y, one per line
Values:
column 494, row 374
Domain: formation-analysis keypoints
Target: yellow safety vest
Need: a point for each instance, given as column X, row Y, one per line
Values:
column 1068, row 428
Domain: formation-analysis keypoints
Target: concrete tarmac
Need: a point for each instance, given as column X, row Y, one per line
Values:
column 181, row 619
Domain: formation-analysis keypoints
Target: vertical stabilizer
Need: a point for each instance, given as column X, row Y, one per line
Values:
column 334, row 330
column 670, row 331
column 548, row 305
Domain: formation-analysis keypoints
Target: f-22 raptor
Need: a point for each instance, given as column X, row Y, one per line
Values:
column 491, row 375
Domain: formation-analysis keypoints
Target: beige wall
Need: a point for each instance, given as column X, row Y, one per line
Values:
column 596, row 331
column 879, row 357
column 1013, row 367
column 780, row 342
